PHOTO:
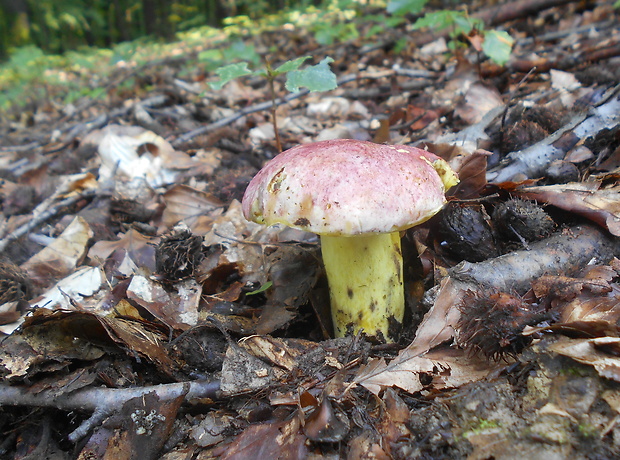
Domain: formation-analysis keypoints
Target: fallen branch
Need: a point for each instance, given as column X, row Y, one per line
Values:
column 564, row 253
column 533, row 161
column 43, row 216
column 569, row 59
column 104, row 401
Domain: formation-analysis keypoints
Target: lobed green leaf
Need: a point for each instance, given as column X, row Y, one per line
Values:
column 316, row 78
column 291, row 65
column 230, row 72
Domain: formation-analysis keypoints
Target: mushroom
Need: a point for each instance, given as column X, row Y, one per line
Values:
column 357, row 196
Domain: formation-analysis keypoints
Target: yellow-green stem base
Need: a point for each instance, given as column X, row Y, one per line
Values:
column 365, row 283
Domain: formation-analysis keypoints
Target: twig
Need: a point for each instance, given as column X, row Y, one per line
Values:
column 43, row 216
column 534, row 160
column 269, row 105
column 104, row 401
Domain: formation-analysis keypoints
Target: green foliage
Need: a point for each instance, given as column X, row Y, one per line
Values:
column 230, row 72
column 290, row 66
column 327, row 33
column 316, row 78
column 24, row 67
column 457, row 20
column 496, row 45
column 240, row 50
column 402, row 7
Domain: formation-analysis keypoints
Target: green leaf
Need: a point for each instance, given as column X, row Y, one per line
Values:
column 402, row 7
column 328, row 32
column 316, row 78
column 435, row 20
column 617, row 4
column 464, row 24
column 291, row 65
column 230, row 72
column 458, row 20
column 263, row 288
column 497, row 45
column 240, row 51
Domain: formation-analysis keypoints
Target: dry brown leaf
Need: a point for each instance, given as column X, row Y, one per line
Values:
column 327, row 423
column 601, row 205
column 568, row 288
column 61, row 335
column 178, row 310
column 134, row 152
column 139, row 248
column 278, row 352
column 242, row 372
column 439, row 324
column 477, row 102
column 147, row 343
column 281, row 440
column 72, row 290
column 367, row 446
column 61, row 256
column 593, row 352
column 243, row 243
column 195, row 208
column 448, row 368
column 47, row 339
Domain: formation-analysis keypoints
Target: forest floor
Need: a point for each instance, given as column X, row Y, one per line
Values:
column 144, row 317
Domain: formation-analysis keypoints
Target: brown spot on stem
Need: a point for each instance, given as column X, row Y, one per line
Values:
column 350, row 293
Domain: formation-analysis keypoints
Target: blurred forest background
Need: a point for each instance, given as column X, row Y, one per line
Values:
column 56, row 26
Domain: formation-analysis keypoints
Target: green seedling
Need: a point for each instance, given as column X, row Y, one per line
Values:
column 315, row 78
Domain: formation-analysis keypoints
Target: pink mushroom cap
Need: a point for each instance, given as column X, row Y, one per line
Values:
column 346, row 187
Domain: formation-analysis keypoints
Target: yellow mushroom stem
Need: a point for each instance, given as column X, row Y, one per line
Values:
column 365, row 276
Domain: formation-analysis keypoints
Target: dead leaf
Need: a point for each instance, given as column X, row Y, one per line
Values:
column 60, row 257
column 477, row 102
column 72, row 290
column 139, row 248
column 448, row 368
column 601, row 353
column 134, row 152
column 284, row 353
column 243, row 372
column 589, row 199
column 282, row 440
column 179, row 309
column 326, row 423
column 194, row 208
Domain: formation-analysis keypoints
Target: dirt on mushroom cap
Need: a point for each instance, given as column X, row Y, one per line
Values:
column 347, row 187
